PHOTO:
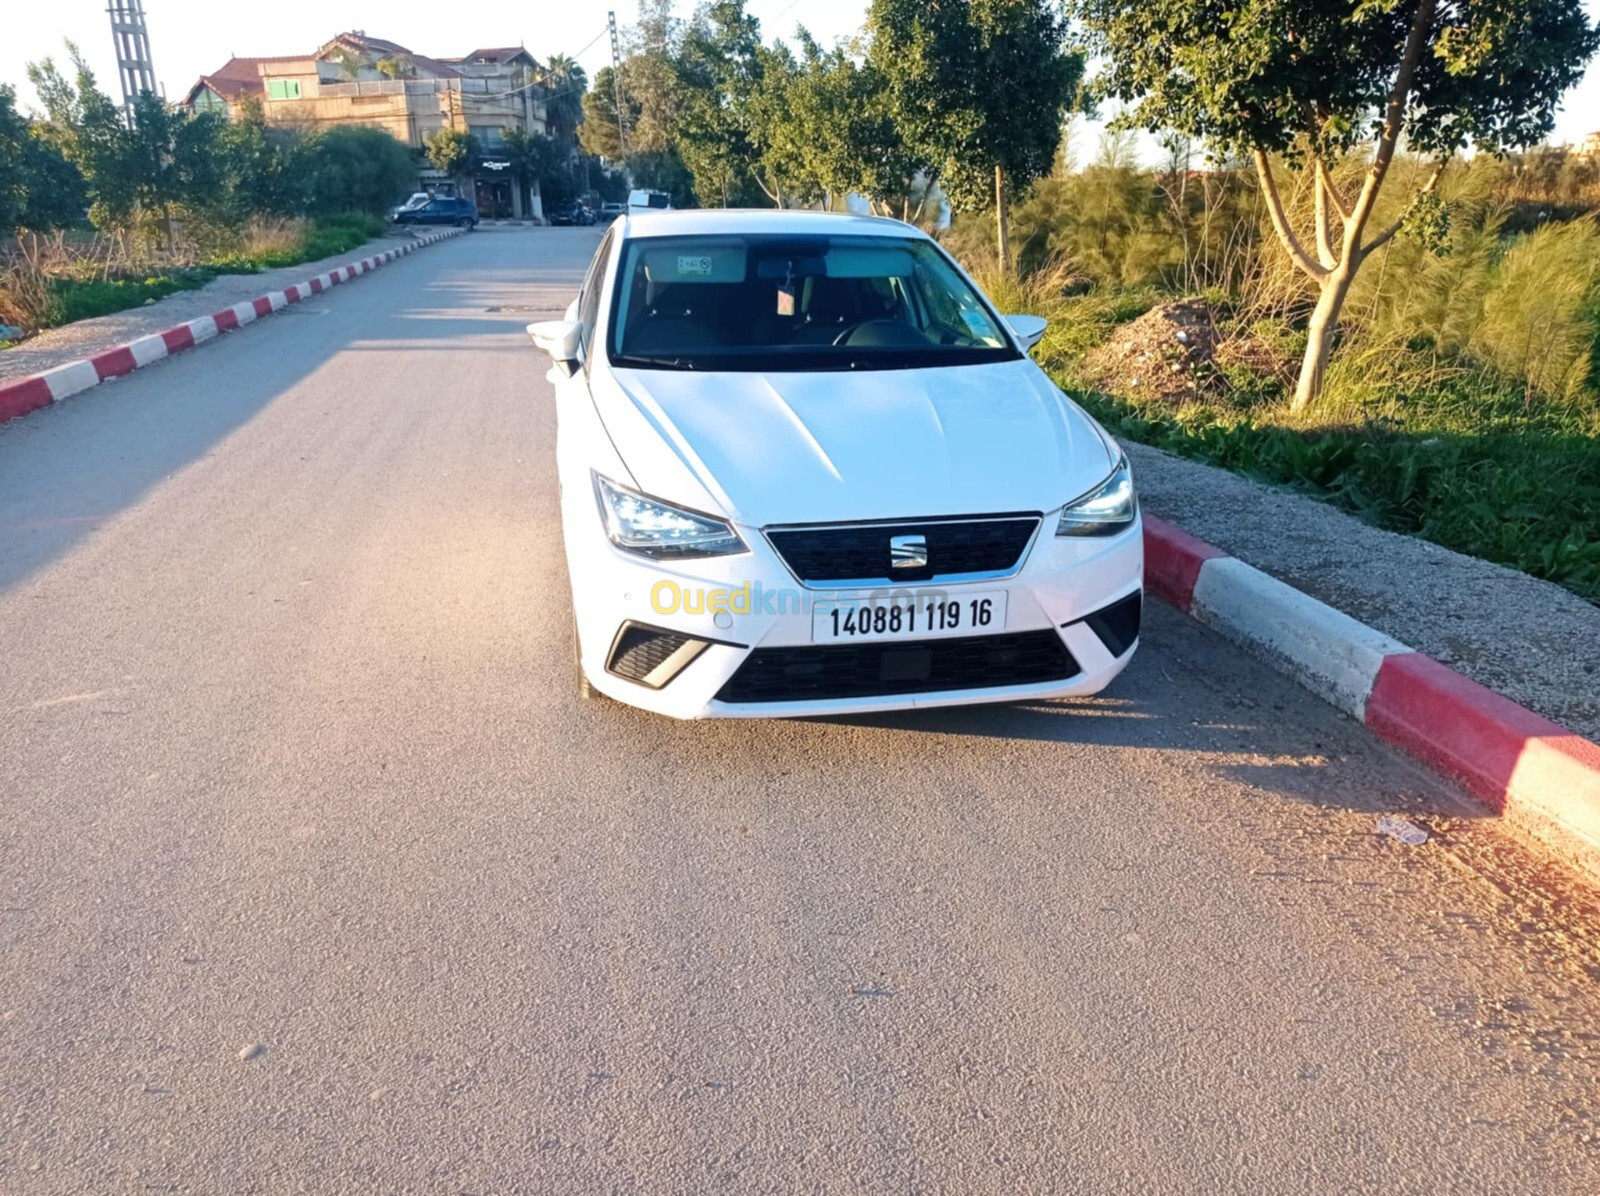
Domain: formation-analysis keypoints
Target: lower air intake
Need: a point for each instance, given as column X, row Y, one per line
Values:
column 833, row 671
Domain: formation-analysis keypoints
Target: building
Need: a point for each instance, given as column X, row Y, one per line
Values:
column 356, row 79
column 1591, row 145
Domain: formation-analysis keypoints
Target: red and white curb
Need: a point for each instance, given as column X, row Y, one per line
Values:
column 1529, row 769
column 22, row 395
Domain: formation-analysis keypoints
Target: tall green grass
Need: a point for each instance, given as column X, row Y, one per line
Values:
column 38, row 297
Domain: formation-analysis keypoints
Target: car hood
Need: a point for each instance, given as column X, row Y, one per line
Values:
column 838, row 446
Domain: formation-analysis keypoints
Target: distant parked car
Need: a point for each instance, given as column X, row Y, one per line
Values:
column 645, row 201
column 610, row 211
column 441, row 209
column 570, row 214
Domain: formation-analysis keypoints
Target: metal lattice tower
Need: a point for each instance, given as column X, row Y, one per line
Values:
column 616, row 81
column 133, row 51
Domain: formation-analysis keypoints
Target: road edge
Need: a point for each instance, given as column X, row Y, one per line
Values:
column 1529, row 770
column 20, row 396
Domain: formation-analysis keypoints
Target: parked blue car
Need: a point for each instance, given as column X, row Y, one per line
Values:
column 441, row 209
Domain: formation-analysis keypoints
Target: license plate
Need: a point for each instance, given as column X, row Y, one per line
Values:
column 925, row 615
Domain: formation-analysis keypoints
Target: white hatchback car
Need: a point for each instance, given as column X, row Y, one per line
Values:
column 807, row 469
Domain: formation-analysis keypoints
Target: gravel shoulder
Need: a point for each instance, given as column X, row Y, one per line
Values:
column 1528, row 639
column 73, row 342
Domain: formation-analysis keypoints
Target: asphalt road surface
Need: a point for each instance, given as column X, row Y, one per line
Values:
column 315, row 875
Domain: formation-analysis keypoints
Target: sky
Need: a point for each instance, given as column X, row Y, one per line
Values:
column 189, row 38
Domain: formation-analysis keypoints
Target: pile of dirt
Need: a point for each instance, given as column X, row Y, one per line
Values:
column 1169, row 352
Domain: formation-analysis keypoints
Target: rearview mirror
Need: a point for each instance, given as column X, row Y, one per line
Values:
column 560, row 339
column 1029, row 329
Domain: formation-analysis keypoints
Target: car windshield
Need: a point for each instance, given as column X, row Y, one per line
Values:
column 776, row 302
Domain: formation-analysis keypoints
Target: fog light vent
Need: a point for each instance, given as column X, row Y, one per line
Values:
column 650, row 655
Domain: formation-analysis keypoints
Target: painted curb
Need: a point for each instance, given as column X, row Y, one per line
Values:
column 20, row 396
column 1527, row 768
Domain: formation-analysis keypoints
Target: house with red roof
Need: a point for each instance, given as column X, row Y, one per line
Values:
column 358, row 79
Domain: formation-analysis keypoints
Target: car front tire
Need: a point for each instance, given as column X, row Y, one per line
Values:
column 586, row 692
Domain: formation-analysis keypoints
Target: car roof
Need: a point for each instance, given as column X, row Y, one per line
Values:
column 699, row 222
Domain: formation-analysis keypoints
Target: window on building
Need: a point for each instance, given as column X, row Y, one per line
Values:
column 283, row 89
column 489, row 136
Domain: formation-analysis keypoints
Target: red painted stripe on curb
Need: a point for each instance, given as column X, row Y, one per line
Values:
column 19, row 398
column 1503, row 752
column 178, row 339
column 114, row 363
column 1173, row 560
column 23, row 395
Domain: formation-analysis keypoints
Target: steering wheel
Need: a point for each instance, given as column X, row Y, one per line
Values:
column 848, row 331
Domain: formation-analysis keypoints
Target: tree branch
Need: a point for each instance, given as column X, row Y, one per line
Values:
column 1280, row 221
column 1387, row 234
column 1325, row 253
column 1393, row 121
column 1337, row 200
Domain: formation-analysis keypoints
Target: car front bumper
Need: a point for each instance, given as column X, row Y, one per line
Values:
column 1062, row 582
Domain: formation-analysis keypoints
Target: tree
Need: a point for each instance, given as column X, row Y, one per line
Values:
column 87, row 129
column 357, row 168
column 396, row 66
column 532, row 158
column 565, row 83
column 728, row 84
column 981, row 89
column 601, row 131
column 39, row 189
column 170, row 159
column 840, row 124
column 451, row 152
column 1316, row 80
column 268, row 168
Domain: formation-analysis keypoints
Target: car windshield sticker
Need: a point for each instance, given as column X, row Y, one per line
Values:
column 694, row 263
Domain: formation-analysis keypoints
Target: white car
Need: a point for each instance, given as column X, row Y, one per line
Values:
column 807, row 469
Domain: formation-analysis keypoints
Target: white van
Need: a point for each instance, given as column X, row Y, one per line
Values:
column 645, row 201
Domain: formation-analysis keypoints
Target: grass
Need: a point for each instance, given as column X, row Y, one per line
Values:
column 52, row 300
column 1459, row 455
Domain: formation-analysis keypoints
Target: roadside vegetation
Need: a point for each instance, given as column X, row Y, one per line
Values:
column 110, row 215
column 1462, row 404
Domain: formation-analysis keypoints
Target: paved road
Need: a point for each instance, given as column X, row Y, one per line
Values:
column 315, row 876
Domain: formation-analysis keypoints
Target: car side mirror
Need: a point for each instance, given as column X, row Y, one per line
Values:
column 1029, row 329
column 560, row 339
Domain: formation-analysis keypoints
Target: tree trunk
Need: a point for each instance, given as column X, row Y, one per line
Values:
column 1001, row 217
column 1319, row 337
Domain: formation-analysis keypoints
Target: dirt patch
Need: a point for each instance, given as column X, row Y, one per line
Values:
column 1169, row 352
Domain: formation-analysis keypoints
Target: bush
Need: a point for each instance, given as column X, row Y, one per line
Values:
column 84, row 299
column 355, row 168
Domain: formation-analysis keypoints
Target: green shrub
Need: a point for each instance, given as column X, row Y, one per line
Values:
column 81, row 299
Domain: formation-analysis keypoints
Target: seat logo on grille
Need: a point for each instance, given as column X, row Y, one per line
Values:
column 908, row 552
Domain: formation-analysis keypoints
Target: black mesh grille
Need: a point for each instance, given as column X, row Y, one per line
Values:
column 640, row 650
column 861, row 553
column 899, row 667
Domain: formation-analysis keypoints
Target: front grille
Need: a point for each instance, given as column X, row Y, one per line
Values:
column 860, row 552
column 824, row 672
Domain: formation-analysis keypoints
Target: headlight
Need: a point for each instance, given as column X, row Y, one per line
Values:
column 652, row 528
column 1106, row 510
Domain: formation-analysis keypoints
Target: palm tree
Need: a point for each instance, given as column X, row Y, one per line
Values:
column 565, row 82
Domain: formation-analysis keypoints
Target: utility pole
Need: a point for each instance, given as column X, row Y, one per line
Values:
column 132, row 41
column 616, row 83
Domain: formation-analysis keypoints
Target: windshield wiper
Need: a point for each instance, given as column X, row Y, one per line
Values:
column 637, row 361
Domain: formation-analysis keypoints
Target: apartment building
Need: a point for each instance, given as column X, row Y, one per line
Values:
column 357, row 79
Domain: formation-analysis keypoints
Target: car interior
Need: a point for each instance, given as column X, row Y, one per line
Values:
column 738, row 298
